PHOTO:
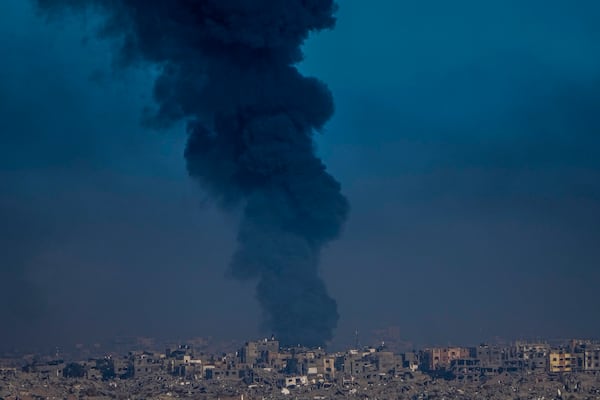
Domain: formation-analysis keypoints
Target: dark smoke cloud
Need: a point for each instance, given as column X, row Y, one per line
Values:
column 227, row 67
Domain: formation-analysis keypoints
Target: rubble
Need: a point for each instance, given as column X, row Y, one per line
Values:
column 261, row 370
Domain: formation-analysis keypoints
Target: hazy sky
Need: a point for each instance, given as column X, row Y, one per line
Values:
column 466, row 137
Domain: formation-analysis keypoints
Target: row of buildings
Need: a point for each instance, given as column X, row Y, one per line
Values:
column 472, row 362
column 265, row 362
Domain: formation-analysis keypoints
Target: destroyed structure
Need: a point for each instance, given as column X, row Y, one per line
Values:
column 261, row 369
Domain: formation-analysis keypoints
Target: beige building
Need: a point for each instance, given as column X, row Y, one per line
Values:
column 442, row 357
column 559, row 361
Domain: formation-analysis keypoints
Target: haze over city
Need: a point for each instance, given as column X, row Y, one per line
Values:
column 465, row 138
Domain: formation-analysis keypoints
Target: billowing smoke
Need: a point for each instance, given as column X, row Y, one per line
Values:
column 227, row 68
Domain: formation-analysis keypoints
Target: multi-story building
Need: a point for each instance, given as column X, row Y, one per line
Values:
column 328, row 370
column 591, row 360
column 534, row 355
column 490, row 356
column 261, row 352
column 560, row 361
column 466, row 369
column 440, row 358
column 147, row 363
column 386, row 362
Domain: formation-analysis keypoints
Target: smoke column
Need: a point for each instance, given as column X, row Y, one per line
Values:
column 227, row 68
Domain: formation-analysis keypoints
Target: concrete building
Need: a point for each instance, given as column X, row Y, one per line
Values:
column 294, row 381
column 440, row 358
column 591, row 360
column 534, row 355
column 560, row 361
column 490, row 356
column 410, row 361
column 386, row 362
column 262, row 352
column 328, row 370
column 50, row 369
column 147, row 363
column 466, row 369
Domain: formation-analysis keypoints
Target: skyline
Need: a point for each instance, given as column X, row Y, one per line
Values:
column 465, row 139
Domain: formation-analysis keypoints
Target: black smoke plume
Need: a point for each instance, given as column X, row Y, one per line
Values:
column 227, row 68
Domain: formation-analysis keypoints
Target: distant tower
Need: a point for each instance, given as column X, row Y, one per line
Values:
column 356, row 339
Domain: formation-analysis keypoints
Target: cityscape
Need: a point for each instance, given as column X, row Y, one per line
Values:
column 262, row 369
column 216, row 199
